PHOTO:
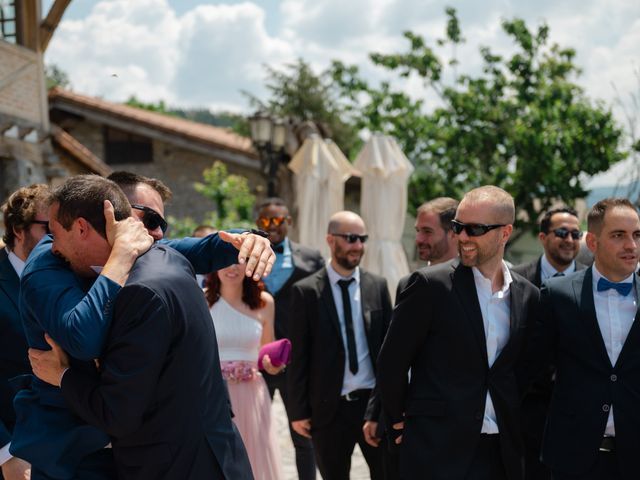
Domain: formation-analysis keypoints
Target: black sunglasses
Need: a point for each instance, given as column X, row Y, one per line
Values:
column 352, row 237
column 473, row 229
column 564, row 233
column 152, row 219
column 45, row 223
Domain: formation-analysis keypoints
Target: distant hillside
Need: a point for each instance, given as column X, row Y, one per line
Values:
column 597, row 194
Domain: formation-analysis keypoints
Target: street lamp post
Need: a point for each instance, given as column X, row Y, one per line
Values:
column 269, row 135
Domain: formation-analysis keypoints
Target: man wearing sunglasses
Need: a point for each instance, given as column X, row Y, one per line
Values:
column 293, row 262
column 560, row 238
column 340, row 315
column 460, row 328
column 26, row 222
column 77, row 315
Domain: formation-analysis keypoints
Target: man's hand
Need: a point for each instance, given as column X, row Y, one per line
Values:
column 129, row 239
column 302, row 427
column 255, row 251
column 398, row 426
column 369, row 430
column 49, row 365
column 16, row 469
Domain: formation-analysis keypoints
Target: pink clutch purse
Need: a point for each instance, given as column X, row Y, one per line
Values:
column 279, row 352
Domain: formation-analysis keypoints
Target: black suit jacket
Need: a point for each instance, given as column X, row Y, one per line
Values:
column 532, row 270
column 437, row 331
column 13, row 345
column 305, row 262
column 586, row 385
column 160, row 393
column 316, row 372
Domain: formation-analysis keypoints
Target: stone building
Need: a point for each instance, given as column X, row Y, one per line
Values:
column 172, row 149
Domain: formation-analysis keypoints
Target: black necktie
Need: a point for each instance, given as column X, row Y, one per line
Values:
column 348, row 321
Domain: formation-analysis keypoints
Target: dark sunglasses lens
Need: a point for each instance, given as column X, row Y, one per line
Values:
column 152, row 221
column 476, row 230
column 263, row 223
column 353, row 238
column 456, row 227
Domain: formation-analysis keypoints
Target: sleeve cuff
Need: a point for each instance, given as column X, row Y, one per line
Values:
column 5, row 456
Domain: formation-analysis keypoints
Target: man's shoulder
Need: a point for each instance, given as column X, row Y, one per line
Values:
column 311, row 281
column 42, row 258
column 158, row 263
column 527, row 269
column 306, row 253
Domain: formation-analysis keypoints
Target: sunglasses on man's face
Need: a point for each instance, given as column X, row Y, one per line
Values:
column 264, row 222
column 152, row 219
column 352, row 237
column 45, row 223
column 564, row 233
column 473, row 229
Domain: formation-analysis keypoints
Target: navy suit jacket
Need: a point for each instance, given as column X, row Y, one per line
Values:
column 77, row 315
column 13, row 346
column 586, row 385
column 160, row 393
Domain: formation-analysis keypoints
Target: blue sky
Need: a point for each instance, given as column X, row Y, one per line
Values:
column 203, row 53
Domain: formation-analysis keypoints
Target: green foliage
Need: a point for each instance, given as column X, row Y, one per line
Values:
column 298, row 92
column 231, row 198
column 521, row 124
column 56, row 77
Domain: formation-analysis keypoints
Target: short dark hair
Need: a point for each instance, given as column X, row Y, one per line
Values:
column 127, row 181
column 595, row 218
column 445, row 207
column 84, row 196
column 276, row 201
column 21, row 208
column 545, row 221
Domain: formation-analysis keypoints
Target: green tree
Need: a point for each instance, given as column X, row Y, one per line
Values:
column 522, row 123
column 56, row 77
column 298, row 92
column 231, row 198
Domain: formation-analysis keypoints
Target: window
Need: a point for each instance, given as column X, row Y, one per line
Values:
column 8, row 20
column 125, row 147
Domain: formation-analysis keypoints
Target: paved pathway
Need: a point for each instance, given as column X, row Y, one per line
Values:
column 359, row 470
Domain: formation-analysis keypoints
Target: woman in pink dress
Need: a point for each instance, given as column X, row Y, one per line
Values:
column 243, row 314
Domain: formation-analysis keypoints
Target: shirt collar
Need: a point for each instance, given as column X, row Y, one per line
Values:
column 16, row 263
column 549, row 270
column 335, row 276
column 506, row 276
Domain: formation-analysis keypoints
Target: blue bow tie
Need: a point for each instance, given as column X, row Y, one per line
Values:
column 622, row 288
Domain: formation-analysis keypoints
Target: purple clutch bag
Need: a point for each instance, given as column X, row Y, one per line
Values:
column 279, row 352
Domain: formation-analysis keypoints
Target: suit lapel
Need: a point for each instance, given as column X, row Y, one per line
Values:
column 366, row 292
column 9, row 281
column 324, row 286
column 537, row 280
column 465, row 288
column 633, row 338
column 583, row 291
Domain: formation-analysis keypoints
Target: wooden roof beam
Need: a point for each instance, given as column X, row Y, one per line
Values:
column 49, row 24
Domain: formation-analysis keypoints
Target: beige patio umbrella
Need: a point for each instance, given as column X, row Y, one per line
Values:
column 385, row 172
column 321, row 170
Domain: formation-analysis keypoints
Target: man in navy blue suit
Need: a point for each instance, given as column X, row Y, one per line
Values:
column 77, row 314
column 157, row 392
column 25, row 220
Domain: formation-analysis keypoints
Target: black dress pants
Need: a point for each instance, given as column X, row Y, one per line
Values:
column 334, row 443
column 605, row 468
column 487, row 462
column 305, row 460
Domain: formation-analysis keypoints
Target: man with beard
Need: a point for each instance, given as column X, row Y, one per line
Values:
column 341, row 315
column 435, row 241
column 560, row 237
column 460, row 328
column 293, row 262
column 26, row 222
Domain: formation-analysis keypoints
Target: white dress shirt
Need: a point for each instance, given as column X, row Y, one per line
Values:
column 365, row 377
column 547, row 270
column 495, row 311
column 615, row 314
